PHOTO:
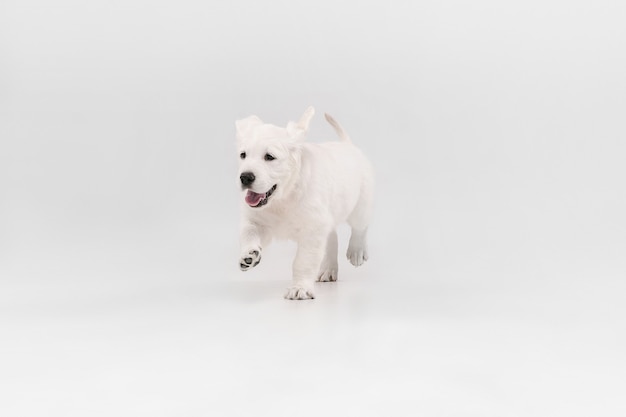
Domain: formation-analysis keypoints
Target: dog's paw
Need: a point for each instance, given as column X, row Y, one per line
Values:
column 298, row 292
column 357, row 256
column 249, row 259
column 328, row 275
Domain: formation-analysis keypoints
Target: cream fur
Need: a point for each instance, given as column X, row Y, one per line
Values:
column 318, row 186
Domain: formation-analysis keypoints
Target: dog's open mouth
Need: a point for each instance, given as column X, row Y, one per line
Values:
column 258, row 200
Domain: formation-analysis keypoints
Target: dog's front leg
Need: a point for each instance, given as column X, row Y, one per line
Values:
column 251, row 239
column 306, row 266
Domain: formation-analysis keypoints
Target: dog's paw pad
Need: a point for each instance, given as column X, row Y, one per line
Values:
column 250, row 259
column 328, row 275
column 357, row 257
column 299, row 293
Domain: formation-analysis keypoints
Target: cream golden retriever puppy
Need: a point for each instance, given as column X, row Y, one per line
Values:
column 301, row 191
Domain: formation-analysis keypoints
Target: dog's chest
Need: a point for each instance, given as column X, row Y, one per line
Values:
column 283, row 225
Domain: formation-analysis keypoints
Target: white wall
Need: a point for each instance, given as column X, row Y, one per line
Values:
column 496, row 130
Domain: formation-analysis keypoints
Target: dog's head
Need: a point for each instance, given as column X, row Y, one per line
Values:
column 269, row 157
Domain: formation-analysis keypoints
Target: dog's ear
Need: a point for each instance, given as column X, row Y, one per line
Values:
column 305, row 119
column 297, row 131
column 244, row 126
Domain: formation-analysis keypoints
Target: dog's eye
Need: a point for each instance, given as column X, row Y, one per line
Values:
column 269, row 157
column 242, row 155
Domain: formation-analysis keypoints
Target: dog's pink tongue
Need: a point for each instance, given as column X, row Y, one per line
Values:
column 253, row 198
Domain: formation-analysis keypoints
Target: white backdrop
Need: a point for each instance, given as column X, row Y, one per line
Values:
column 496, row 130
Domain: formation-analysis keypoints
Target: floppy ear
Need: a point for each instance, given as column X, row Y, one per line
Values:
column 297, row 131
column 306, row 117
column 244, row 126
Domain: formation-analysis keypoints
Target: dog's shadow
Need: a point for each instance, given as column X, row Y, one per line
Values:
column 256, row 292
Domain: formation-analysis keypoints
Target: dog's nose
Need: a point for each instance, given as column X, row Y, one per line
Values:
column 247, row 178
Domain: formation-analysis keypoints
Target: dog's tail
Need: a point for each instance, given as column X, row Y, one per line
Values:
column 342, row 133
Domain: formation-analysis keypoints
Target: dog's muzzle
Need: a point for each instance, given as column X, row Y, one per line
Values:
column 259, row 200
column 247, row 178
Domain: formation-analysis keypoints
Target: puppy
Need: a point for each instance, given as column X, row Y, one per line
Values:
column 301, row 191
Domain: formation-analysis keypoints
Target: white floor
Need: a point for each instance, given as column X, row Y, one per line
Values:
column 365, row 346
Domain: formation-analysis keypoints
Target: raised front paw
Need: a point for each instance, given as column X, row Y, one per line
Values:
column 298, row 292
column 249, row 259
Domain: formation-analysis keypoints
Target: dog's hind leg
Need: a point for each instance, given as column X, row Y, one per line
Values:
column 357, row 248
column 359, row 220
column 328, row 268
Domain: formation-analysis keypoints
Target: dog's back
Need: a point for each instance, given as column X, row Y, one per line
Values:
column 338, row 174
